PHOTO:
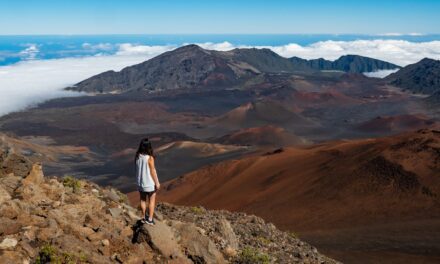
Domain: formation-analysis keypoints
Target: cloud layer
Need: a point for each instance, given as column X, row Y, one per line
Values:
column 400, row 52
column 33, row 81
column 380, row 74
column 30, row 82
column 30, row 52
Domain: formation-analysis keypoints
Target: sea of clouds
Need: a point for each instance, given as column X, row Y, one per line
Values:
column 32, row 81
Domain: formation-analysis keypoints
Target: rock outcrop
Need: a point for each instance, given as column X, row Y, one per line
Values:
column 54, row 220
column 346, row 63
column 422, row 77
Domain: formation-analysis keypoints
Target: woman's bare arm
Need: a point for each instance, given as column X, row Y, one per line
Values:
column 153, row 172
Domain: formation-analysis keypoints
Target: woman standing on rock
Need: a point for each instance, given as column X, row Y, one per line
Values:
column 147, row 180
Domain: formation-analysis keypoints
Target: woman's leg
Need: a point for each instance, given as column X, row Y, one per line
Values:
column 143, row 197
column 151, row 205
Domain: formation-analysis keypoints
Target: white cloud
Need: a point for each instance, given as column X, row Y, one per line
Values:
column 380, row 74
column 400, row 52
column 30, row 53
column 100, row 46
column 30, row 82
column 128, row 49
column 33, row 81
column 223, row 46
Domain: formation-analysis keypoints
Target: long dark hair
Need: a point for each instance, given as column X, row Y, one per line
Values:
column 145, row 148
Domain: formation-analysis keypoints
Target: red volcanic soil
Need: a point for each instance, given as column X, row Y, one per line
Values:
column 261, row 113
column 378, row 198
column 399, row 123
column 262, row 136
column 328, row 98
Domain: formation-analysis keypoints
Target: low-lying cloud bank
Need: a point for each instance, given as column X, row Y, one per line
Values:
column 400, row 52
column 30, row 82
column 380, row 74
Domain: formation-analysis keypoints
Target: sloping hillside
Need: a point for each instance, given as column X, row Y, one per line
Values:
column 331, row 188
column 189, row 67
column 421, row 77
column 262, row 112
column 262, row 136
column 192, row 67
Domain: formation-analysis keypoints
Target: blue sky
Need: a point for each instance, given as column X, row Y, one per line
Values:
column 218, row 17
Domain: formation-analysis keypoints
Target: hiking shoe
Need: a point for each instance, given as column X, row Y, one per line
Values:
column 144, row 221
column 148, row 222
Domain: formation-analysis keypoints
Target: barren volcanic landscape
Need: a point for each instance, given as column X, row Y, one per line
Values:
column 346, row 197
column 349, row 162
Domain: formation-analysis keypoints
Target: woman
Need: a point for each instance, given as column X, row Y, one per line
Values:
column 147, row 180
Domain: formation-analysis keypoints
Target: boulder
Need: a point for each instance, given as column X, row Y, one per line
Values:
column 10, row 209
column 10, row 182
column 92, row 222
column 29, row 232
column 98, row 236
column 36, row 175
column 32, row 252
column 139, row 253
column 105, row 242
column 198, row 247
column 230, row 252
column 54, row 191
column 8, row 243
column 16, row 164
column 95, row 192
column 9, row 226
column 112, row 195
column 31, row 193
column 4, row 195
column 161, row 238
column 134, row 216
column 115, row 212
column 81, row 231
column 13, row 257
column 228, row 234
column 48, row 233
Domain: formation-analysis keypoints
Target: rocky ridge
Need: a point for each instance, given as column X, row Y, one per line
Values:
column 346, row 63
column 422, row 77
column 54, row 220
column 191, row 67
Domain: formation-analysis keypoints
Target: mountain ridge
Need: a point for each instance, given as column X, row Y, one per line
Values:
column 187, row 67
column 347, row 63
column 422, row 77
column 190, row 67
column 349, row 184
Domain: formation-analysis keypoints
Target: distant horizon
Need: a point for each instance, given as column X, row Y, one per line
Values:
column 387, row 34
column 400, row 49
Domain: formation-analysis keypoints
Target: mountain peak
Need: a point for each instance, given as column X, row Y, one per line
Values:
column 421, row 77
column 255, row 51
column 428, row 60
column 190, row 47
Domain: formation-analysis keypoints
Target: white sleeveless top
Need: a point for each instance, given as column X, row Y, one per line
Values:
column 145, row 182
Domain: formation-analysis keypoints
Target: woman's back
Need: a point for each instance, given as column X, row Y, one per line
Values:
column 144, row 180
